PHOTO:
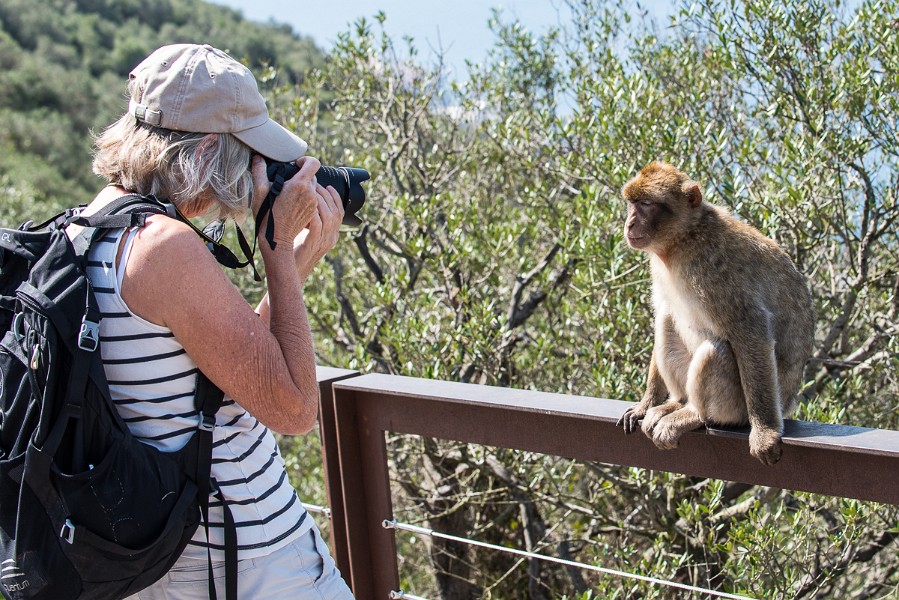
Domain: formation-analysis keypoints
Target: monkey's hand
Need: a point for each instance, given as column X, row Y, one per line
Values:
column 765, row 445
column 631, row 418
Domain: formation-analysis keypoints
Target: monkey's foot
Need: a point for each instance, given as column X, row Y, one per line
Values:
column 631, row 418
column 665, row 424
column 656, row 414
column 765, row 445
column 666, row 434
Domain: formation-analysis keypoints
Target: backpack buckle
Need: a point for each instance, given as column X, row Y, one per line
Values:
column 68, row 531
column 71, row 214
column 207, row 422
column 89, row 338
column 18, row 327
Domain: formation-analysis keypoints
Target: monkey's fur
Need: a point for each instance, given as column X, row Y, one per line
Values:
column 734, row 323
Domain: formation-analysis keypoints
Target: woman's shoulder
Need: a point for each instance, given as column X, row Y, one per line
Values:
column 169, row 268
column 164, row 236
column 166, row 252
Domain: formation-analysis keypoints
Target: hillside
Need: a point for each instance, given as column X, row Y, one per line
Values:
column 63, row 68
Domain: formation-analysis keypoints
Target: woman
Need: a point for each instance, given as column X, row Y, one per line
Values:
column 195, row 120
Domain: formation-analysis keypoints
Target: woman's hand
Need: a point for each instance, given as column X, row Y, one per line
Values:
column 295, row 205
column 322, row 232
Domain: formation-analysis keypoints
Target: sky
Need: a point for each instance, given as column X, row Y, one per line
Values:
column 459, row 27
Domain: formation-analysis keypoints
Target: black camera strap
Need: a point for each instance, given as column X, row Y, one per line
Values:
column 212, row 234
column 278, row 174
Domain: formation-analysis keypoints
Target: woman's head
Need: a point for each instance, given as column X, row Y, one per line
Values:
column 194, row 171
column 194, row 119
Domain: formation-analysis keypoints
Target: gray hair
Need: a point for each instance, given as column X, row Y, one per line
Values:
column 179, row 167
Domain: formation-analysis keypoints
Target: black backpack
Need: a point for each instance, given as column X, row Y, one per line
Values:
column 86, row 510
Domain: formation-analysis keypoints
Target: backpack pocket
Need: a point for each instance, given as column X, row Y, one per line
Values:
column 36, row 575
column 18, row 411
column 122, row 523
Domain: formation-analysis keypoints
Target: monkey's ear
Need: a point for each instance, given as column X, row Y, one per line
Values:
column 694, row 194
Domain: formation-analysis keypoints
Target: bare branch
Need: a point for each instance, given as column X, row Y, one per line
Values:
column 852, row 555
column 361, row 241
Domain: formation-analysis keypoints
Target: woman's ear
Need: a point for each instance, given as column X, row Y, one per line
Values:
column 209, row 143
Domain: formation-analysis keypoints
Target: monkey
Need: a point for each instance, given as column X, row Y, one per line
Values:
column 734, row 320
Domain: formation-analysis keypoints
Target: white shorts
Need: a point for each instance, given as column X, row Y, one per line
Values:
column 302, row 570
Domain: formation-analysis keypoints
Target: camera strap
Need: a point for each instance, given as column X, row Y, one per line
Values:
column 278, row 177
column 212, row 234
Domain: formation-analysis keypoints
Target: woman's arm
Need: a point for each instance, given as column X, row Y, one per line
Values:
column 313, row 242
column 269, row 369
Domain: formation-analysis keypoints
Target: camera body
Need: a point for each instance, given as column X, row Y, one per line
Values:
column 346, row 180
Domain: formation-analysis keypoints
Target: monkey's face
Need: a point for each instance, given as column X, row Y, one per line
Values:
column 644, row 221
column 661, row 201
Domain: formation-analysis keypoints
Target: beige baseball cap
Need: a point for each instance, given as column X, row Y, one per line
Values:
column 198, row 88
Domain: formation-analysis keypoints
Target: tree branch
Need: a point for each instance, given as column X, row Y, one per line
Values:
column 853, row 554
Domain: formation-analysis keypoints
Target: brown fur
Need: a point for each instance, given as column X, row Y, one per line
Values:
column 734, row 318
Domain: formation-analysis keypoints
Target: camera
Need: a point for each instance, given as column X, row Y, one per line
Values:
column 346, row 180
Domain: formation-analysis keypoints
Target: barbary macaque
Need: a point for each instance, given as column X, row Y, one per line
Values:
column 734, row 323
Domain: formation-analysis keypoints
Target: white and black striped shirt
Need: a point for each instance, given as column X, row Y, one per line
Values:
column 152, row 381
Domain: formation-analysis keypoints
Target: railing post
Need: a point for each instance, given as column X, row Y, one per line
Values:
column 327, row 376
column 366, row 495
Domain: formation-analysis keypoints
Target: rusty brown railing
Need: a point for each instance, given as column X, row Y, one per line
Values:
column 358, row 410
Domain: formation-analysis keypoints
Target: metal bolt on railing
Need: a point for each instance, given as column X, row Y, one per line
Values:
column 401, row 595
column 315, row 508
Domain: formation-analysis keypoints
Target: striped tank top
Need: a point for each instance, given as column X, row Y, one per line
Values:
column 152, row 381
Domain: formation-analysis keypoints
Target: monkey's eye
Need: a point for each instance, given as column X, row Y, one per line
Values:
column 646, row 202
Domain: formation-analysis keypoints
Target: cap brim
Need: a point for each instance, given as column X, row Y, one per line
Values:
column 273, row 141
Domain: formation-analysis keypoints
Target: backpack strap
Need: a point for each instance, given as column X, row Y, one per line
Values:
column 108, row 217
column 130, row 210
column 75, row 390
column 208, row 400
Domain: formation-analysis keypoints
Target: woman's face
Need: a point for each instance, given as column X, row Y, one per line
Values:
column 198, row 206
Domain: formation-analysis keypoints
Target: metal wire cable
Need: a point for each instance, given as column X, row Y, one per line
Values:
column 393, row 524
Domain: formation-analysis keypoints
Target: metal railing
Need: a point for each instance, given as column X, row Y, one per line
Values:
column 357, row 411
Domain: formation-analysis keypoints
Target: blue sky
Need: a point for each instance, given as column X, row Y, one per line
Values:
column 459, row 27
